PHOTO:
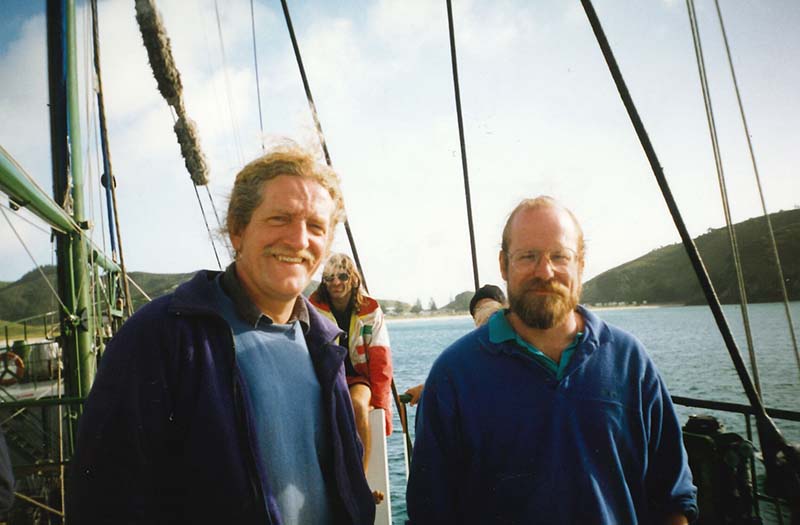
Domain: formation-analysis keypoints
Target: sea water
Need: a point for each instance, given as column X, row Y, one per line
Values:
column 684, row 342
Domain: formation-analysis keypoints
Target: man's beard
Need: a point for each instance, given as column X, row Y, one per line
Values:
column 543, row 311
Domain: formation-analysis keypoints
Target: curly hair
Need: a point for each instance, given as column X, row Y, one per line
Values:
column 286, row 159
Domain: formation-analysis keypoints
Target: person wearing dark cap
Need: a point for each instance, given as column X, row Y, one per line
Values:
column 486, row 301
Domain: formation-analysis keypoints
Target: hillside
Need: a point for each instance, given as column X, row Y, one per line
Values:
column 661, row 276
column 665, row 275
column 29, row 296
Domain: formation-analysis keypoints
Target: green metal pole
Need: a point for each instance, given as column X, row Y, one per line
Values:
column 83, row 329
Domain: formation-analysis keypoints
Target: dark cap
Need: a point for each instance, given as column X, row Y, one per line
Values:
column 487, row 291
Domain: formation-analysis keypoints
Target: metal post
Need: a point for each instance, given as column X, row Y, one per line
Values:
column 85, row 361
column 67, row 186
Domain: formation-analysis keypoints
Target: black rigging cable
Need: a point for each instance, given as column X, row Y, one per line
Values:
column 208, row 228
column 258, row 82
column 775, row 448
column 313, row 108
column 463, row 146
column 320, row 135
column 712, row 130
column 774, row 244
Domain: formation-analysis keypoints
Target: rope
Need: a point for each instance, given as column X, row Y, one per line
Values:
column 30, row 222
column 712, row 130
column 318, row 126
column 219, row 222
column 228, row 91
column 159, row 53
column 774, row 244
column 38, row 267
column 114, row 231
column 258, row 83
column 772, row 442
column 35, row 503
column 208, row 229
column 467, row 196
column 139, row 288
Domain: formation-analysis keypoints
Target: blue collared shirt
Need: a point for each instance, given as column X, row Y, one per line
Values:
column 500, row 330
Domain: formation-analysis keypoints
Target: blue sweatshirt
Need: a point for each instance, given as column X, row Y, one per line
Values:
column 502, row 440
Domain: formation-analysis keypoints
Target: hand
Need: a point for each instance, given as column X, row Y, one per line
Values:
column 415, row 392
column 676, row 519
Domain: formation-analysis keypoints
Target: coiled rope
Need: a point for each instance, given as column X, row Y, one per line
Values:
column 159, row 53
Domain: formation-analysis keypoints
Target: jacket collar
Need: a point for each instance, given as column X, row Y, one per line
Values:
column 198, row 297
column 595, row 334
column 245, row 307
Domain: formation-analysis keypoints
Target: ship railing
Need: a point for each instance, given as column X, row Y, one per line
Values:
column 748, row 413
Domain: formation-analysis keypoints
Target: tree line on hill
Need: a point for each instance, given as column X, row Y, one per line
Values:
column 663, row 276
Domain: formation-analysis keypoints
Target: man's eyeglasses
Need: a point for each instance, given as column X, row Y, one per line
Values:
column 343, row 277
column 560, row 259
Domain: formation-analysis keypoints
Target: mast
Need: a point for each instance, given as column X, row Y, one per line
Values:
column 67, row 163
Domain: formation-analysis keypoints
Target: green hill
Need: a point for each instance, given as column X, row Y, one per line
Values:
column 30, row 296
column 665, row 275
column 661, row 276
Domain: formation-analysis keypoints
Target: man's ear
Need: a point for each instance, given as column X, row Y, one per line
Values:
column 236, row 240
column 503, row 260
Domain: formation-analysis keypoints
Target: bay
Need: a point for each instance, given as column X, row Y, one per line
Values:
column 683, row 341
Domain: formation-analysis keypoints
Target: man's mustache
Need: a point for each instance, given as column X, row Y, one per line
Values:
column 550, row 286
column 306, row 255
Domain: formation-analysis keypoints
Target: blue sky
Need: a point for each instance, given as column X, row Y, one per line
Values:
column 541, row 117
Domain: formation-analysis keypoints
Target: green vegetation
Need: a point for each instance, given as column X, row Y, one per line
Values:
column 30, row 296
column 665, row 275
column 460, row 303
column 417, row 308
column 13, row 331
column 662, row 276
column 155, row 284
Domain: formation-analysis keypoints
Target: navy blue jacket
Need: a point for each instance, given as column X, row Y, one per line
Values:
column 497, row 430
column 166, row 437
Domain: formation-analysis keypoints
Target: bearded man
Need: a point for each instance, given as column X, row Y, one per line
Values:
column 547, row 414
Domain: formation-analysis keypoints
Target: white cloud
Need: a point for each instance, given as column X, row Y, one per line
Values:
column 541, row 115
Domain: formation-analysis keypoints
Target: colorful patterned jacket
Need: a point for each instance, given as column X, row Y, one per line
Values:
column 369, row 350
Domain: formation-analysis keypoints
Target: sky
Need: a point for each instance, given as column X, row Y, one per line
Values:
column 541, row 116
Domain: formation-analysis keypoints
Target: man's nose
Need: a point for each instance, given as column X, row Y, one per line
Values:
column 543, row 268
column 297, row 235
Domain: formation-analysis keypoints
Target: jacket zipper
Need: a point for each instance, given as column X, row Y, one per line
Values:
column 238, row 400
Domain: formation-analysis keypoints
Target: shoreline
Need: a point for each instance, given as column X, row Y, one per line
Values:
column 461, row 315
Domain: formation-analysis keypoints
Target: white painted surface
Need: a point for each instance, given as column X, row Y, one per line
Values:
column 378, row 472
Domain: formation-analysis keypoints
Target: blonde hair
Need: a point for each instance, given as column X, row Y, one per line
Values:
column 286, row 159
column 339, row 262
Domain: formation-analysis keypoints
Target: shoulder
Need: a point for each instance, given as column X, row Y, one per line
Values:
column 604, row 334
column 369, row 306
column 317, row 301
column 620, row 352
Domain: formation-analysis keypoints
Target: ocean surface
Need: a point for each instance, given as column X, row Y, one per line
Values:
column 684, row 342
